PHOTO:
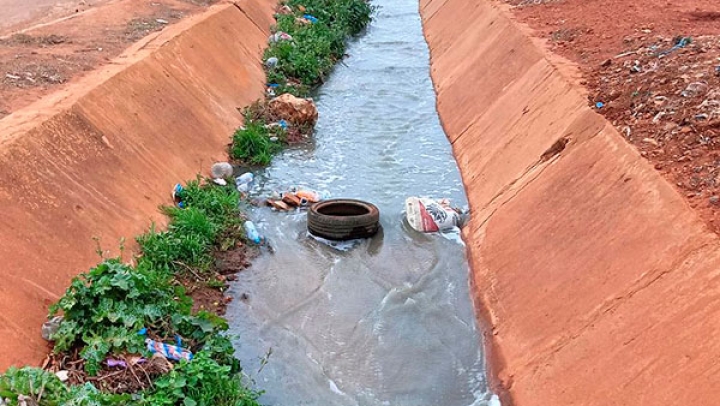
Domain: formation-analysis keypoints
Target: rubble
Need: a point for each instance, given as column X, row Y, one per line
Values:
column 664, row 97
column 294, row 110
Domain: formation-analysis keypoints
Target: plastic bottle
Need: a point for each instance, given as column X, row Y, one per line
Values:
column 252, row 232
column 246, row 177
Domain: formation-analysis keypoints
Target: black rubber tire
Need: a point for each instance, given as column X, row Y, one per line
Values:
column 343, row 219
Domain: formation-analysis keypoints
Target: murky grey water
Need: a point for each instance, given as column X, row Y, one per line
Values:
column 389, row 322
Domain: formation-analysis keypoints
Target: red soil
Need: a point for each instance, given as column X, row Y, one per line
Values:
column 38, row 56
column 666, row 103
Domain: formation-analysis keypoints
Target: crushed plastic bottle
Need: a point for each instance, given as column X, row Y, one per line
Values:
column 246, row 177
column 252, row 233
column 243, row 181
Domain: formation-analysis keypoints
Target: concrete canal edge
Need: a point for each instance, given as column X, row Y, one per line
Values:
column 595, row 282
column 96, row 159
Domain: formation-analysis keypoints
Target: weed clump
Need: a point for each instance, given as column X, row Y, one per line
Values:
column 308, row 41
column 317, row 44
column 112, row 310
column 256, row 143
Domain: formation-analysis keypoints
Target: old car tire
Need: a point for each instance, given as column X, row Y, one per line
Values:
column 343, row 219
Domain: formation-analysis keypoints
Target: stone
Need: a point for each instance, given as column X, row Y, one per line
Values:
column 293, row 109
column 63, row 376
column 651, row 141
column 695, row 89
column 221, row 170
column 715, row 200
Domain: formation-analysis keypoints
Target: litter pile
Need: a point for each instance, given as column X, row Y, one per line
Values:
column 134, row 333
column 307, row 41
column 654, row 74
column 295, row 198
column 663, row 94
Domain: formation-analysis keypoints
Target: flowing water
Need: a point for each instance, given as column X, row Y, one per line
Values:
column 389, row 321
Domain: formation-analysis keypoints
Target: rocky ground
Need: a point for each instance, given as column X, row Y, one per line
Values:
column 652, row 68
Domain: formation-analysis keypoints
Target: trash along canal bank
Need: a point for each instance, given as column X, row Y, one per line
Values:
column 145, row 330
column 386, row 320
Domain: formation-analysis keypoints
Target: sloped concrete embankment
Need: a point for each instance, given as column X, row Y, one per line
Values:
column 98, row 158
column 597, row 283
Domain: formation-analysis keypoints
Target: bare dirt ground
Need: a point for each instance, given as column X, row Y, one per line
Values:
column 652, row 68
column 46, row 44
column 19, row 14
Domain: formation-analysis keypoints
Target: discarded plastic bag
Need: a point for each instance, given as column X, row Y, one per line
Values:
column 50, row 327
column 310, row 18
column 280, row 36
column 312, row 196
column 173, row 352
column 272, row 62
column 177, row 196
column 429, row 216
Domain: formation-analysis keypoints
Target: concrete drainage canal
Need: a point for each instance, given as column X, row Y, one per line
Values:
column 383, row 321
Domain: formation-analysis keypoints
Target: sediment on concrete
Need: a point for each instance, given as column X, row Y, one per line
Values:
column 596, row 283
column 96, row 159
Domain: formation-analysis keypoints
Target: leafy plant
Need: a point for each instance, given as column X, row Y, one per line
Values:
column 202, row 382
column 317, row 47
column 41, row 386
column 105, row 308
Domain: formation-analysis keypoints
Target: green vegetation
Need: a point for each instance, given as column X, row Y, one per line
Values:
column 317, row 44
column 256, row 143
column 106, row 309
column 316, row 47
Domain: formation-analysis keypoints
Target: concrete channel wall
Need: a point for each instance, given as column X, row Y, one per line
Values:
column 597, row 284
column 98, row 158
